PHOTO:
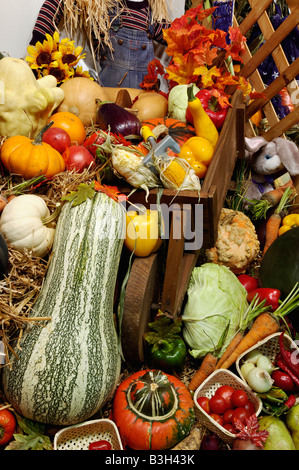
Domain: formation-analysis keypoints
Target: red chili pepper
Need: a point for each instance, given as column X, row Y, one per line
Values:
column 288, row 356
column 250, row 283
column 100, row 445
column 283, row 366
column 272, row 296
column 290, row 401
column 211, row 106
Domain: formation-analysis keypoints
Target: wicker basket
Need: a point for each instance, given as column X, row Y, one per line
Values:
column 208, row 388
column 268, row 347
column 79, row 437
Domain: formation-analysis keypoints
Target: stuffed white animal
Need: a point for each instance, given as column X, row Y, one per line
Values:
column 267, row 158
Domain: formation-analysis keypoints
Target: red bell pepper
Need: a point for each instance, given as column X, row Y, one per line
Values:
column 211, row 106
column 250, row 283
column 272, row 296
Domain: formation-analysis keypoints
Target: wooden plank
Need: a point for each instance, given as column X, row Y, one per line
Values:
column 292, row 4
column 286, row 123
column 141, row 292
column 274, row 87
column 173, row 270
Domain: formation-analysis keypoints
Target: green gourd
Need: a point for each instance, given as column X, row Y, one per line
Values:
column 68, row 367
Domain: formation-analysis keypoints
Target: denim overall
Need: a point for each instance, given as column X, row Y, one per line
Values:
column 133, row 50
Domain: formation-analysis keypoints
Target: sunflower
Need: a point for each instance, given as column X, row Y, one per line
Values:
column 40, row 55
column 68, row 54
column 61, row 72
column 79, row 72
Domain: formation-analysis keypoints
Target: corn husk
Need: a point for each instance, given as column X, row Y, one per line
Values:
column 176, row 173
column 128, row 165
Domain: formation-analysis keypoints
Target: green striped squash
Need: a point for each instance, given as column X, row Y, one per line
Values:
column 68, row 368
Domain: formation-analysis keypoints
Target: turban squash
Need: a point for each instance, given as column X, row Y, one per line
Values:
column 153, row 410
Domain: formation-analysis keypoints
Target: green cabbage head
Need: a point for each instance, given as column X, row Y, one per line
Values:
column 216, row 303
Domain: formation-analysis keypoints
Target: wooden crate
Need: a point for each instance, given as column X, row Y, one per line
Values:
column 145, row 285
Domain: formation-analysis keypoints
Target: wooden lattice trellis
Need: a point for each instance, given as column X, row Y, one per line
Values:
column 287, row 72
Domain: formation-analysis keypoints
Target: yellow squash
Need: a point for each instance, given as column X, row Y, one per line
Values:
column 204, row 126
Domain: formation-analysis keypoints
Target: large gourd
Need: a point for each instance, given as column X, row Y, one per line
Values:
column 25, row 102
column 68, row 368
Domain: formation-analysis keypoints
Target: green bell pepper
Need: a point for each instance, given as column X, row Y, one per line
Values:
column 167, row 350
column 169, row 355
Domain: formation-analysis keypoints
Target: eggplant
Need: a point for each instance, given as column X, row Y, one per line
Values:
column 118, row 119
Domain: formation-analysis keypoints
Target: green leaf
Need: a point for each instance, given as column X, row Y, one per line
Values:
column 164, row 328
column 83, row 192
column 31, row 438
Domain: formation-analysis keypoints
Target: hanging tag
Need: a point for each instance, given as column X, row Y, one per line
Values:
column 2, row 353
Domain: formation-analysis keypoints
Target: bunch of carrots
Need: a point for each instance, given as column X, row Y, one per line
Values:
column 264, row 323
column 280, row 198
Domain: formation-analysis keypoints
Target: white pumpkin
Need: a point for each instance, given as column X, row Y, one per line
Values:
column 22, row 225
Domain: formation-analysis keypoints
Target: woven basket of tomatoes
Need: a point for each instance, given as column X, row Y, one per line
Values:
column 98, row 434
column 222, row 397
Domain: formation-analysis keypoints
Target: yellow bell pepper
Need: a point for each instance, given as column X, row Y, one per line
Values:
column 198, row 152
column 288, row 222
column 203, row 124
column 142, row 232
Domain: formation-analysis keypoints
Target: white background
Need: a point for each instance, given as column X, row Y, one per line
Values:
column 17, row 19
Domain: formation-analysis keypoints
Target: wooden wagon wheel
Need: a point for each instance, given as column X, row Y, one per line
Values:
column 141, row 292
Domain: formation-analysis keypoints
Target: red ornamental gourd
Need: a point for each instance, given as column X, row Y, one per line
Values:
column 153, row 410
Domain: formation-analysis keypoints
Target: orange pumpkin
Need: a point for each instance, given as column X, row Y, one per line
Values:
column 71, row 124
column 180, row 131
column 152, row 410
column 30, row 158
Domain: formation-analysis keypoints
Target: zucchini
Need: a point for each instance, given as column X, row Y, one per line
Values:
column 68, row 367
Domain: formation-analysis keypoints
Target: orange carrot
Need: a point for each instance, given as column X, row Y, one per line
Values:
column 274, row 196
column 206, row 368
column 272, row 228
column 230, row 348
column 263, row 326
column 274, row 221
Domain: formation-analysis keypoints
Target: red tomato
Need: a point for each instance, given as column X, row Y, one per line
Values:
column 218, row 404
column 57, row 138
column 204, row 403
column 230, row 428
column 225, row 391
column 250, row 407
column 250, row 283
column 217, row 418
column 228, row 416
column 7, row 426
column 239, row 398
column 77, row 158
column 282, row 380
column 100, row 445
column 241, row 413
column 92, row 141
